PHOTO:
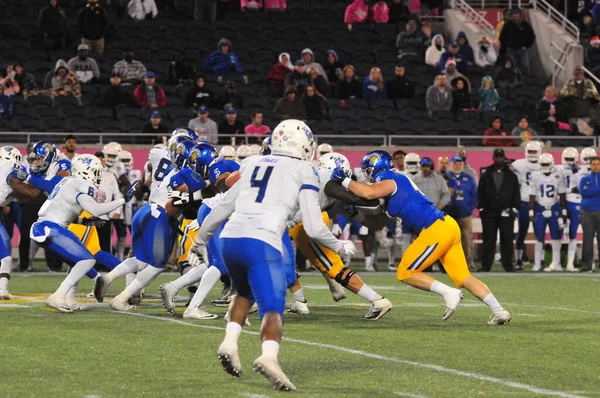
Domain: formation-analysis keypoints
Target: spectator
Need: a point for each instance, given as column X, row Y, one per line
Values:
column 275, row 5
column 462, row 153
column 579, row 95
column 309, row 61
column 435, row 51
column 8, row 81
column 427, row 34
column 592, row 55
column 517, row 37
column 523, row 130
column 399, row 12
column 130, row 70
column 278, row 73
column 155, row 127
column 485, row 55
column 148, row 94
column 465, row 48
column 333, row 67
column 209, row 10
column 349, row 86
column 438, row 96
column 355, row 13
column 488, row 95
column 589, row 188
column 180, row 72
column 463, row 199
column 549, row 112
column 451, row 73
column 59, row 82
column 497, row 135
column 290, row 107
column 85, row 68
column 374, row 87
column 93, row 22
column 299, row 79
column 442, row 166
column 115, row 95
column 398, row 157
column 230, row 97
column 409, row 42
column 498, row 198
column 400, row 86
column 199, row 94
column 52, row 20
column 139, row 10
column 257, row 127
column 461, row 97
column 26, row 80
column 230, row 126
column 6, row 105
column 203, row 126
column 432, row 184
column 314, row 104
column 453, row 53
column 319, row 81
column 223, row 61
column 508, row 75
column 380, row 12
column 69, row 148
column 505, row 18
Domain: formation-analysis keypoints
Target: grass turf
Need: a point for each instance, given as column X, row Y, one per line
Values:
column 551, row 344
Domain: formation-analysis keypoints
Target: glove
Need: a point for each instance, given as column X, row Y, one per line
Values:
column 382, row 239
column 179, row 198
column 92, row 221
column 20, row 173
column 575, row 190
column 129, row 194
column 338, row 175
column 198, row 253
column 347, row 249
column 336, row 230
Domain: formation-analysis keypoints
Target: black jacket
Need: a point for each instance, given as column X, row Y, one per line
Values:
column 400, row 87
column 92, row 22
column 347, row 89
column 515, row 36
column 113, row 96
column 489, row 199
column 199, row 96
column 53, row 21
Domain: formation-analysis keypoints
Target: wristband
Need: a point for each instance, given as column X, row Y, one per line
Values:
column 564, row 212
column 530, row 213
column 346, row 183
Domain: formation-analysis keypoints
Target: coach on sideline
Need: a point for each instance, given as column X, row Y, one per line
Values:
column 589, row 188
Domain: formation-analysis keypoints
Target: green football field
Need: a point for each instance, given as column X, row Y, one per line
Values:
column 551, row 348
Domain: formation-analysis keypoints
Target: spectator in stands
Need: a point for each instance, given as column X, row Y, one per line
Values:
column 8, row 81
column 590, row 213
column 485, row 55
column 6, row 105
column 461, row 97
column 115, row 95
column 156, row 127
column 139, row 10
column 398, row 157
column 93, row 22
column 427, row 34
column 451, row 73
column 453, row 53
column 52, row 20
column 299, row 78
column 579, row 95
column 290, row 107
column 199, row 94
column 505, row 18
column 130, row 70
column 507, row 74
column 592, row 56
column 400, row 86
column 550, row 114
column 26, row 80
column 314, row 104
column 438, row 96
column 523, row 130
column 319, row 81
column 333, row 67
column 349, row 86
column 223, row 61
column 517, row 37
column 380, row 12
column 399, row 12
column 257, row 127
column 409, row 42
column 435, row 51
column 278, row 73
column 231, row 126
column 356, row 12
column 59, row 82
column 465, row 48
column 204, row 126
column 488, row 96
column 180, row 72
column 309, row 61
column 462, row 153
column 85, row 68
column 374, row 87
column 442, row 166
column 209, row 10
column 497, row 135
column 230, row 97
column 432, row 184
column 148, row 94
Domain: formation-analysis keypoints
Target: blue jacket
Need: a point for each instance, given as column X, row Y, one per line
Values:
column 466, row 51
column 589, row 188
column 222, row 64
column 6, row 107
column 371, row 92
column 461, row 62
column 464, row 197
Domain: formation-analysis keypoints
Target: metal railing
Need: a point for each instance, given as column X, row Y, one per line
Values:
column 477, row 140
column 476, row 18
column 592, row 76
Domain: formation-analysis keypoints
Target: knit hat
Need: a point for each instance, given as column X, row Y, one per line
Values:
column 450, row 61
column 82, row 47
column 595, row 40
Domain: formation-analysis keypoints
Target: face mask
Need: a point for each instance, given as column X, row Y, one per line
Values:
column 439, row 47
column 579, row 81
column 484, row 48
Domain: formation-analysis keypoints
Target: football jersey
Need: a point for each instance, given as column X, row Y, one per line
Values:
column 524, row 170
column 268, row 197
column 56, row 167
column 571, row 180
column 62, row 206
column 161, row 166
column 221, row 166
column 5, row 190
column 187, row 177
column 130, row 207
column 547, row 188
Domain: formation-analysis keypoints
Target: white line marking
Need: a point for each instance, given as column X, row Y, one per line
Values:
column 408, row 395
column 9, row 305
column 476, row 376
column 249, row 395
column 520, row 314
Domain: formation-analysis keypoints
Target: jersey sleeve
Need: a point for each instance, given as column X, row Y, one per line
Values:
column 309, row 178
column 63, row 165
column 215, row 170
column 177, row 180
column 85, row 188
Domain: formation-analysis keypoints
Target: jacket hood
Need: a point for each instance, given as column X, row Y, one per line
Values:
column 464, row 36
column 308, row 51
column 433, row 41
column 486, row 78
column 60, row 64
column 466, row 84
column 334, row 54
column 224, row 42
column 180, row 52
column 501, row 123
column 289, row 64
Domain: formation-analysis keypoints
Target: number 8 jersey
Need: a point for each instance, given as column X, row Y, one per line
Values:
column 547, row 187
column 162, row 170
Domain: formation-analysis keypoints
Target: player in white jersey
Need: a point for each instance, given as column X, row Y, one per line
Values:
column 547, row 207
column 132, row 175
column 69, row 198
column 259, row 205
column 524, row 168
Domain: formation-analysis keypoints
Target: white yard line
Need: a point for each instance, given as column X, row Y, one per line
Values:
column 408, row 395
column 456, row 372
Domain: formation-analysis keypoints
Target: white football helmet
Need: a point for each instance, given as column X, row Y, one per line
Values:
column 227, row 152
column 323, row 149
column 126, row 158
column 293, row 138
column 160, row 146
column 587, row 154
column 10, row 153
column 546, row 163
column 243, row 152
column 87, row 167
column 255, row 149
column 569, row 156
column 111, row 151
column 533, row 151
column 411, row 162
column 331, row 160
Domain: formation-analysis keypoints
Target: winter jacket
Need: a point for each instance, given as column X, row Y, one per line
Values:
column 466, row 51
column 92, row 22
column 232, row 98
column 286, row 109
column 489, row 98
column 315, row 107
column 26, row 81
column 85, row 70
column 589, row 188
column 298, row 80
column 461, row 63
column 434, row 187
column 130, row 72
column 514, row 36
column 437, row 100
column 507, row 76
column 409, row 43
column 313, row 64
column 114, row 96
column 579, row 98
column 349, row 89
column 498, row 138
column 450, row 77
column 491, row 200
column 6, row 107
column 53, row 21
column 372, row 92
column 356, row 12
column 463, row 199
column 461, row 99
column 199, row 96
column 485, row 55
column 333, row 70
column 542, row 109
column 138, row 9
column 592, row 57
column 321, row 85
column 177, row 72
column 68, row 85
column 140, row 96
column 277, row 74
column 380, row 13
column 400, row 87
column 222, row 64
column 433, row 54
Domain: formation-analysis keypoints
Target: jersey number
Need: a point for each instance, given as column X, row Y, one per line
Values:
column 161, row 170
column 568, row 178
column 549, row 190
column 57, row 188
column 262, row 183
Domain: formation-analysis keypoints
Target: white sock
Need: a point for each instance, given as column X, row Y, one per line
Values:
column 270, row 348
column 368, row 261
column 519, row 254
column 121, row 248
column 556, row 244
column 71, row 294
column 209, row 280
column 299, row 295
column 3, row 283
column 78, row 271
column 392, row 255
column 571, row 252
column 194, row 275
column 232, row 333
column 491, row 301
column 5, row 270
column 440, row 288
column 129, row 278
column 369, row 294
column 143, row 279
column 539, row 253
column 128, row 266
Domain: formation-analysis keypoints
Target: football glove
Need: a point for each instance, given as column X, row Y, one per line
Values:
column 347, row 249
column 129, row 194
column 338, row 175
column 179, row 198
column 92, row 221
column 336, row 230
column 20, row 173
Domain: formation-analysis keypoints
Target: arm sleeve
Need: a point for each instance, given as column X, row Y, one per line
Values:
column 43, row 184
column 336, row 191
column 97, row 209
column 219, row 213
column 313, row 221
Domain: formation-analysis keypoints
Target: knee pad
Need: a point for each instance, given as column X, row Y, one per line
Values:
column 342, row 279
column 192, row 289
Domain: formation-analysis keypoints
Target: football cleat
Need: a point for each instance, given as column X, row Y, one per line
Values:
column 121, row 304
column 270, row 369
column 378, row 309
column 299, row 307
column 197, row 313
column 501, row 318
column 225, row 298
column 536, row 268
column 571, row 268
column 167, row 294
column 5, row 295
column 230, row 360
column 136, row 299
column 253, row 309
column 100, row 288
column 452, row 300
column 392, row 267
column 58, row 302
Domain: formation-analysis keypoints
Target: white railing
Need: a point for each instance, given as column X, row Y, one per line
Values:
column 592, row 76
column 476, row 18
column 477, row 140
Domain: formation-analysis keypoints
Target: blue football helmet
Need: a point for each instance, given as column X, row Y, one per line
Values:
column 42, row 154
column 376, row 162
column 185, row 132
column 201, row 156
column 265, row 148
column 179, row 148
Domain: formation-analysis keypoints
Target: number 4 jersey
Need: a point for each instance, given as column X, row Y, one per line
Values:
column 546, row 188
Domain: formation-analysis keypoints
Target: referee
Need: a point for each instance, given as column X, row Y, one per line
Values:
column 589, row 188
